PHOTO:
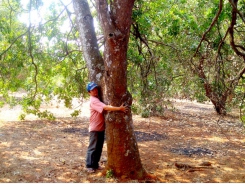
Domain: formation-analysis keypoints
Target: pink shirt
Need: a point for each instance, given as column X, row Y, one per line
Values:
column 97, row 122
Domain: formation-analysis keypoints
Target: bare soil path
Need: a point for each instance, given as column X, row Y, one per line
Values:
column 190, row 144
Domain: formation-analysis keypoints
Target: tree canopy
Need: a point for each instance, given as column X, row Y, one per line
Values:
column 177, row 49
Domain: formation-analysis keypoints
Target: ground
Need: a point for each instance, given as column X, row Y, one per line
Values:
column 189, row 143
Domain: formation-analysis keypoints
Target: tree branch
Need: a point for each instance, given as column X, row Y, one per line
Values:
column 234, row 6
column 210, row 27
column 10, row 46
column 30, row 52
column 231, row 31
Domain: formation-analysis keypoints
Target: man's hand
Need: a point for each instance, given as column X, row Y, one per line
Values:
column 124, row 108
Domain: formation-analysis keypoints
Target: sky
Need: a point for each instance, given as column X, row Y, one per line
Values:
column 37, row 16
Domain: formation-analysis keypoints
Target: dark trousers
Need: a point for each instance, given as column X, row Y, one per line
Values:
column 96, row 141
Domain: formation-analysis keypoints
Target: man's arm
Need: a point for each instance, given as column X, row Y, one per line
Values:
column 112, row 108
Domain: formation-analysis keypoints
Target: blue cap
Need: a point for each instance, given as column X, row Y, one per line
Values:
column 91, row 86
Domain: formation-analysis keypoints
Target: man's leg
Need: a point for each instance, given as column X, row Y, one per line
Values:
column 91, row 160
column 99, row 147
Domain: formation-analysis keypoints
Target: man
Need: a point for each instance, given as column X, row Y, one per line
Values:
column 97, row 127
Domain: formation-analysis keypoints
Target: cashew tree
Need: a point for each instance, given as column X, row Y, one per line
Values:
column 110, row 71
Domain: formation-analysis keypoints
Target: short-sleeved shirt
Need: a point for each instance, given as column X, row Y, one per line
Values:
column 97, row 122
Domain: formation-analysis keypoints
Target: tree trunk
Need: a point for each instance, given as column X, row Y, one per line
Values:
column 123, row 155
column 219, row 101
column 91, row 53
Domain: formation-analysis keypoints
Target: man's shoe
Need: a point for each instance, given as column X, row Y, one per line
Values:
column 90, row 170
column 100, row 168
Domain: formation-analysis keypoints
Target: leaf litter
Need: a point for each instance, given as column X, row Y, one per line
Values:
column 172, row 148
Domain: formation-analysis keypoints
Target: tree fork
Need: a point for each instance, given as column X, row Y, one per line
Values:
column 123, row 155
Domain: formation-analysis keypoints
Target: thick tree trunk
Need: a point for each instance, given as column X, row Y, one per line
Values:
column 123, row 155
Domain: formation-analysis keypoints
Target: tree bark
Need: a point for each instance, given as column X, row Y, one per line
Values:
column 91, row 53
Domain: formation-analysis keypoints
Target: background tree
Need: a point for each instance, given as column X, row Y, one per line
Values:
column 182, row 30
column 215, row 66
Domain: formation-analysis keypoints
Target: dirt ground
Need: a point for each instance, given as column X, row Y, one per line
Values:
column 189, row 144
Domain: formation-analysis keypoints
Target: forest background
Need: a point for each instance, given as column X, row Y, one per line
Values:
column 177, row 49
column 192, row 50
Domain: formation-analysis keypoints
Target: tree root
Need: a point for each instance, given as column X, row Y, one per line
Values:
column 191, row 168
